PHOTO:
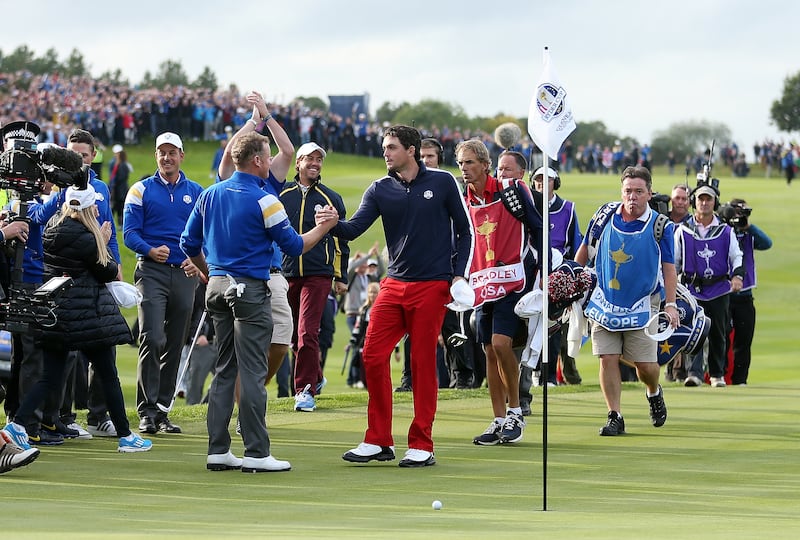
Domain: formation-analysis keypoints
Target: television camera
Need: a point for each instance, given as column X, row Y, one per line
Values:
column 735, row 214
column 26, row 168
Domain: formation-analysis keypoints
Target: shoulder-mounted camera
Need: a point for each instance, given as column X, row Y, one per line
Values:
column 25, row 165
column 735, row 214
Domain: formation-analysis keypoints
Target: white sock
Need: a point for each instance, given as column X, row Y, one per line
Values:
column 499, row 420
column 515, row 410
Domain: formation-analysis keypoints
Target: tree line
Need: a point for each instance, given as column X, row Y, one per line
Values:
column 681, row 138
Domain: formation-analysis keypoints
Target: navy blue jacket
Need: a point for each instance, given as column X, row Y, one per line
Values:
column 327, row 258
column 425, row 221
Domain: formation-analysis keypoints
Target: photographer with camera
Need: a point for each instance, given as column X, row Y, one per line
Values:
column 31, row 170
column 709, row 263
column 736, row 213
column 87, row 317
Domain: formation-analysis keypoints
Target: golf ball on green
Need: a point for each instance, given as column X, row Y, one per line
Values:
column 437, row 505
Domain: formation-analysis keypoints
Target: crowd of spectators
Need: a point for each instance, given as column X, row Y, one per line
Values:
column 123, row 114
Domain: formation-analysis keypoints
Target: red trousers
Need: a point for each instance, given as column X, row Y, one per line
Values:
column 417, row 309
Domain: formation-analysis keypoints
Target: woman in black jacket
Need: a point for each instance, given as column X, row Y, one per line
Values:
column 87, row 316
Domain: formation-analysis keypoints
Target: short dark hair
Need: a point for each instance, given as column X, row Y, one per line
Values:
column 518, row 157
column 78, row 136
column 636, row 171
column 408, row 137
column 436, row 145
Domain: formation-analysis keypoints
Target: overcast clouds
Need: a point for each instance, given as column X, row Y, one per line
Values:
column 637, row 66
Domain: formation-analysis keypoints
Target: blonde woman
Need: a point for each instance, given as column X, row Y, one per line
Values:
column 88, row 318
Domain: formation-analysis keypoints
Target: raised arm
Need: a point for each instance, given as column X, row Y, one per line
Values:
column 282, row 161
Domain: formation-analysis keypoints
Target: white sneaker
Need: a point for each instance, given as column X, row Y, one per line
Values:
column 417, row 458
column 718, row 382
column 82, row 433
column 223, row 462
column 103, row 429
column 265, row 464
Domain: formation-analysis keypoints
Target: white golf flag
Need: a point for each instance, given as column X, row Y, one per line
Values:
column 550, row 119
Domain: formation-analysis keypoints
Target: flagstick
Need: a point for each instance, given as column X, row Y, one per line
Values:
column 545, row 136
column 545, row 257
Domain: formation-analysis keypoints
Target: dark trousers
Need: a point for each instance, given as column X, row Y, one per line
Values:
column 743, row 314
column 164, row 317
column 54, row 368
column 716, row 310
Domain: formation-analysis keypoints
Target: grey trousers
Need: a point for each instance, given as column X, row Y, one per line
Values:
column 164, row 316
column 243, row 331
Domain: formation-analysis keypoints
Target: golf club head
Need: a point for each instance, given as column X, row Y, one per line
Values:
column 165, row 409
column 457, row 339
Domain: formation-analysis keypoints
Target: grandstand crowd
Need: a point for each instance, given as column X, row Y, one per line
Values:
column 124, row 114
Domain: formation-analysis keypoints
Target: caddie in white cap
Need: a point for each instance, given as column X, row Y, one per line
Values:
column 311, row 274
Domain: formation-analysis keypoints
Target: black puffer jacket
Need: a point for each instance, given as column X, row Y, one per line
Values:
column 88, row 316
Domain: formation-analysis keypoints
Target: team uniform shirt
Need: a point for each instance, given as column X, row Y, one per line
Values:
column 424, row 216
column 327, row 258
column 155, row 214
column 40, row 211
column 627, row 252
column 241, row 247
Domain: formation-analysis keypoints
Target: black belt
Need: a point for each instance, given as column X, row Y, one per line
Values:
column 274, row 269
column 148, row 259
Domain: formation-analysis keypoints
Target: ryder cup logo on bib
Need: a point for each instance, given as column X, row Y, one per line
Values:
column 428, row 194
column 317, row 208
column 187, row 199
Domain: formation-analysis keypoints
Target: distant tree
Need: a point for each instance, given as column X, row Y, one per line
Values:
column 170, row 73
column 75, row 66
column 785, row 112
column 431, row 112
column 313, row 102
column 46, row 64
column 488, row 125
column 147, row 80
column 20, row 58
column 388, row 111
column 207, row 79
column 690, row 138
column 596, row 132
column 114, row 77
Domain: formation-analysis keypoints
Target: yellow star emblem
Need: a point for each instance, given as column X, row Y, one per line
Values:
column 666, row 348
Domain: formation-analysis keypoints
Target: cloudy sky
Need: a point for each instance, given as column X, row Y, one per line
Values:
column 638, row 66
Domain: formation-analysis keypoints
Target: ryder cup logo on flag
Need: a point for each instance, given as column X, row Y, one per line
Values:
column 550, row 119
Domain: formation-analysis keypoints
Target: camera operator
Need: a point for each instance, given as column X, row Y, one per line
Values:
column 87, row 316
column 742, row 309
column 27, row 363
column 709, row 262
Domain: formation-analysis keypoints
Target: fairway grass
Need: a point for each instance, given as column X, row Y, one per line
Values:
column 725, row 465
